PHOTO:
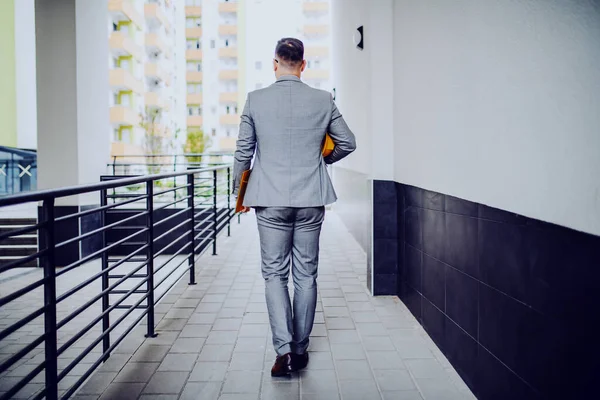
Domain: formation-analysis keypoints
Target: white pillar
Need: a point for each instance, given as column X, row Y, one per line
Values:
column 72, row 93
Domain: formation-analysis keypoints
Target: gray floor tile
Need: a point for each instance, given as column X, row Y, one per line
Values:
column 426, row 368
column 222, row 337
column 320, row 360
column 247, row 362
column 250, row 344
column 208, row 307
column 413, row 349
column 178, row 362
column 347, row 352
column 227, row 324
column 344, row 337
column 319, row 330
column 277, row 391
column 402, row 395
column 118, row 391
column 195, row 331
column 237, row 312
column 203, row 318
column 201, row 390
column 353, row 369
column 209, row 371
column 325, row 395
column 336, row 312
column 177, row 313
column 438, row 389
column 371, row 329
column 150, row 352
column 339, row 323
column 253, row 330
column 238, row 396
column 242, row 382
column 318, row 381
column 116, row 362
column 137, row 372
column 216, row 352
column 359, row 390
column 331, row 293
column 234, row 303
column 360, row 306
column 98, row 383
column 256, row 318
column 319, row 344
column 378, row 343
column 365, row 316
column 159, row 397
column 385, row 360
column 187, row 345
column 394, row 379
column 334, row 302
column 164, row 338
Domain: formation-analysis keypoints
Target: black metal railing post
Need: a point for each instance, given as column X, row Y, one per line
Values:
column 105, row 296
column 228, row 201
column 215, row 219
column 150, row 261
column 50, row 334
column 192, row 212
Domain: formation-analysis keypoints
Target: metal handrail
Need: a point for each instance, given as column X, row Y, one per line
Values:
column 185, row 227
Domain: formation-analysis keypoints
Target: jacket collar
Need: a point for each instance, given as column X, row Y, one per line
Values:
column 288, row 78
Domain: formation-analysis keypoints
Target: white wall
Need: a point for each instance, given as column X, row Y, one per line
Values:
column 25, row 74
column 499, row 103
column 72, row 76
column 363, row 82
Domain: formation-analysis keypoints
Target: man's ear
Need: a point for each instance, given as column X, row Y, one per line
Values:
column 275, row 66
column 303, row 65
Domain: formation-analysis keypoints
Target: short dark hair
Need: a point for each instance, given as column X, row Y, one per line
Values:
column 290, row 51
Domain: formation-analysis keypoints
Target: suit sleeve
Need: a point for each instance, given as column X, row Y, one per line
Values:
column 342, row 136
column 245, row 146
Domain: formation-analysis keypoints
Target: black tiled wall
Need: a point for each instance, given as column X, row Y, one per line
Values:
column 513, row 302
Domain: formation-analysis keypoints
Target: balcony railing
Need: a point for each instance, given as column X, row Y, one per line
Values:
column 123, row 45
column 193, row 55
column 193, row 11
column 228, row 52
column 146, row 234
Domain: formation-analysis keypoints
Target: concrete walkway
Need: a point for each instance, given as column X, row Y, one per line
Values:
column 214, row 339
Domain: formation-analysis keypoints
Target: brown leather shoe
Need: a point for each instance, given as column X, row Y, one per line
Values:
column 299, row 361
column 282, row 366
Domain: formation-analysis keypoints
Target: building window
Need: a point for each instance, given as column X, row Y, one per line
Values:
column 226, row 42
column 212, row 43
column 258, row 65
column 228, row 133
column 193, row 88
column 115, row 27
column 214, row 132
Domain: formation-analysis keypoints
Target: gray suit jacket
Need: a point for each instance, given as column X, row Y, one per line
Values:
column 284, row 126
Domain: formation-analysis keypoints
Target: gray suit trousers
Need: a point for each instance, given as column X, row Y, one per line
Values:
column 290, row 237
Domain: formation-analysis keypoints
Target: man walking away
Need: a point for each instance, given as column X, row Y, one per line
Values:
column 284, row 126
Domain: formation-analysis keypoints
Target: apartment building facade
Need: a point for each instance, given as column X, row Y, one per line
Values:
column 144, row 61
column 215, row 50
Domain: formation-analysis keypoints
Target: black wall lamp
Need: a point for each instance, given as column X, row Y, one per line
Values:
column 359, row 38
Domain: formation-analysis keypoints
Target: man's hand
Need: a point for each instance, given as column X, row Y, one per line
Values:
column 245, row 210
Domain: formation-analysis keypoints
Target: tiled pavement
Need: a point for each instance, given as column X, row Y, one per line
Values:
column 214, row 339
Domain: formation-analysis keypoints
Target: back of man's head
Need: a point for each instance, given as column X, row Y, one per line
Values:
column 290, row 53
